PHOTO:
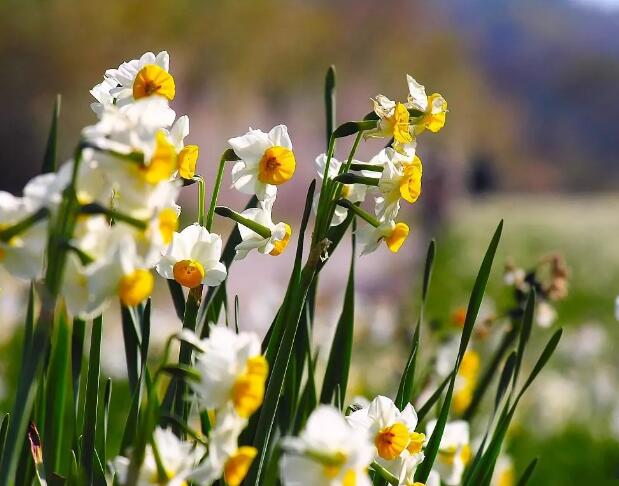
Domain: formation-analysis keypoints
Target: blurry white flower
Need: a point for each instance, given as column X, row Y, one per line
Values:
column 433, row 106
column 504, row 473
column 133, row 80
column 178, row 459
column 393, row 234
column 454, row 451
column 232, row 370
column 545, row 314
column 617, row 308
column 251, row 240
column 22, row 255
column 266, row 161
column 116, row 270
column 353, row 192
column 225, row 457
column 193, row 258
column 328, row 452
column 398, row 446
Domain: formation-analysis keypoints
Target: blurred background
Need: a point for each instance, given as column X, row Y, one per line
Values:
column 531, row 137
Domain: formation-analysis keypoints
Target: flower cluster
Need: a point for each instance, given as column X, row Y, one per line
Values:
column 337, row 450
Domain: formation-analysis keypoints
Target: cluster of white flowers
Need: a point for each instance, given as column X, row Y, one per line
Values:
column 337, row 451
column 395, row 172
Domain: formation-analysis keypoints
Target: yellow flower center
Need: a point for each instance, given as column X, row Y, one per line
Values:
column 238, row 464
column 168, row 224
column 416, row 442
column 506, row 477
column 410, row 183
column 281, row 245
column 346, row 190
column 153, row 80
column 466, row 454
column 401, row 130
column 188, row 273
column 276, row 166
column 163, row 162
column 135, row 287
column 462, row 399
column 350, row 478
column 469, row 367
column 397, row 237
column 248, row 389
column 391, row 441
column 434, row 119
column 448, row 455
column 187, row 159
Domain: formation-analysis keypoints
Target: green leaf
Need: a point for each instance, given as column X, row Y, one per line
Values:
column 506, row 376
column 525, row 331
column 49, row 160
column 3, row 429
column 77, row 357
column 405, row 389
column 178, row 297
column 103, row 420
column 57, row 393
column 471, row 316
column 528, row 472
column 132, row 340
column 338, row 364
column 92, row 400
column 330, row 101
column 352, row 127
column 181, row 372
column 300, row 283
column 431, row 401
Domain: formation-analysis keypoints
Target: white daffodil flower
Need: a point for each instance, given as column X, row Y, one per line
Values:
column 393, row 234
column 393, row 121
column 273, row 245
column 192, row 258
column 398, row 447
column 232, row 369
column 266, row 161
column 187, row 154
column 504, row 473
column 400, row 179
column 134, row 80
column 454, row 451
column 434, row 107
column 225, row 459
column 353, row 192
column 178, row 459
column 545, row 314
column 328, row 452
column 23, row 254
column 116, row 270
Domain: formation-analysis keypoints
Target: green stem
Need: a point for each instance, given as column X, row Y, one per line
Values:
column 370, row 167
column 323, row 191
column 345, row 203
column 252, row 225
column 220, row 175
column 23, row 225
column 386, row 475
column 201, row 202
column 350, row 178
column 94, row 208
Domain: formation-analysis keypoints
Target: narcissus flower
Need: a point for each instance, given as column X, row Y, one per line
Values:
column 393, row 234
column 275, row 244
column 226, row 459
column 176, row 457
column 187, row 154
column 400, row 179
column 115, row 269
column 393, row 434
column 266, row 161
column 454, row 451
column 22, row 255
column 504, row 474
column 434, row 107
column 394, row 121
column 328, row 452
column 353, row 192
column 134, row 80
column 192, row 258
column 233, row 371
